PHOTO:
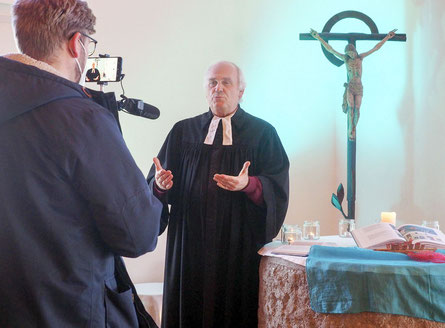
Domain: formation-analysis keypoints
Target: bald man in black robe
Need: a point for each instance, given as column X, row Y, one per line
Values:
column 93, row 74
column 226, row 179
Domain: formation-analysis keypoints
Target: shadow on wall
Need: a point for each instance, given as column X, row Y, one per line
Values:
column 312, row 187
column 406, row 207
column 422, row 116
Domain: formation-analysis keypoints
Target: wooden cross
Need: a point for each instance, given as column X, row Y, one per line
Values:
column 337, row 198
column 350, row 37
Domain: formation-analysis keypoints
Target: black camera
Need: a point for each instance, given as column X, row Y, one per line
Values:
column 104, row 69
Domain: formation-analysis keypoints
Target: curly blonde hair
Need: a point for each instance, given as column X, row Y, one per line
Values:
column 41, row 26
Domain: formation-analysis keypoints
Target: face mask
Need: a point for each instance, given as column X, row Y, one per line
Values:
column 83, row 72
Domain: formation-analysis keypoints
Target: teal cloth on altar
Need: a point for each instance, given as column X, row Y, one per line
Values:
column 352, row 280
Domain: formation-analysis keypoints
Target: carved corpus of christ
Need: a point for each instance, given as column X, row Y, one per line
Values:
column 352, row 98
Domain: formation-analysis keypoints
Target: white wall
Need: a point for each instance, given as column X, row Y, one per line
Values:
column 7, row 43
column 167, row 46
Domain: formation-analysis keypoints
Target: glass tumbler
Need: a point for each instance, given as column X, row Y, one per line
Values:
column 311, row 230
column 345, row 227
column 290, row 233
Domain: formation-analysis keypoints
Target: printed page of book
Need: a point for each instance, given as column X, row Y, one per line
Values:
column 431, row 238
column 300, row 247
column 377, row 235
column 295, row 250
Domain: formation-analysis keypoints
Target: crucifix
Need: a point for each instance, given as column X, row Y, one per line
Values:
column 352, row 97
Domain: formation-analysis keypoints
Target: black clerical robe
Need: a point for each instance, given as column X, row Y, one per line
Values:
column 211, row 267
column 93, row 75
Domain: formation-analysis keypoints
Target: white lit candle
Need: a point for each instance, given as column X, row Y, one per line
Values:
column 388, row 217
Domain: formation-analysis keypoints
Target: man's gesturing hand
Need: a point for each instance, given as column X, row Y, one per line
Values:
column 234, row 183
column 163, row 178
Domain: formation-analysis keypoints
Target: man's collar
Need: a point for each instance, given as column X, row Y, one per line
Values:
column 25, row 59
column 207, row 117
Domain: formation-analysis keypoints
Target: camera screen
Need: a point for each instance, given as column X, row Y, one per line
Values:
column 107, row 69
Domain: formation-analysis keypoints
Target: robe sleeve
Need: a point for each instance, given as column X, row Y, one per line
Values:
column 254, row 190
column 159, row 193
column 273, row 172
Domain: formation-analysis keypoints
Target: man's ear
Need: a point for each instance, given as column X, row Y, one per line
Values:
column 74, row 46
column 241, row 92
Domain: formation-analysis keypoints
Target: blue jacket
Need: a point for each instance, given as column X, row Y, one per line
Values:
column 71, row 197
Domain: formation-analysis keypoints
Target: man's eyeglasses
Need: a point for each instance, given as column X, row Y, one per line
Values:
column 91, row 44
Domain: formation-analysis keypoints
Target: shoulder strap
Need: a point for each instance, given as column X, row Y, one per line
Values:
column 144, row 318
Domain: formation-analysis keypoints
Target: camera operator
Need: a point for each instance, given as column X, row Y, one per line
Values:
column 72, row 196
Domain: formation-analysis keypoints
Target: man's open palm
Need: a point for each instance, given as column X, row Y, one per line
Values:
column 234, row 183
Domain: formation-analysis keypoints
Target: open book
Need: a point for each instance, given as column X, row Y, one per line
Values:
column 378, row 235
column 300, row 248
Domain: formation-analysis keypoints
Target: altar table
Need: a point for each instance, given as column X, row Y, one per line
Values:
column 284, row 303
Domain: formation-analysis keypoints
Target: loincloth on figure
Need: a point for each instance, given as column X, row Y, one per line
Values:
column 355, row 88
